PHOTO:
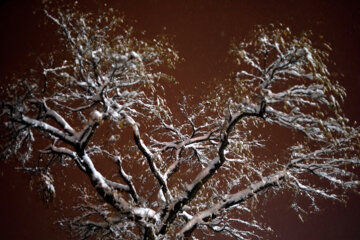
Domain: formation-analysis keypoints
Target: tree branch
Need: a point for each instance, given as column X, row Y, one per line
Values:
column 149, row 157
column 231, row 200
column 208, row 171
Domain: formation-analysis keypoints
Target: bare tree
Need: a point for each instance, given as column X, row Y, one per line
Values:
column 175, row 177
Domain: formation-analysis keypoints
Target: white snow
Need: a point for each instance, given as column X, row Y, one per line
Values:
column 96, row 115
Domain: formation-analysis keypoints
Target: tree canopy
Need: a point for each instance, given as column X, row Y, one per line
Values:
column 179, row 174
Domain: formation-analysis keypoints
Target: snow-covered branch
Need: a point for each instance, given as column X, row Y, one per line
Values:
column 150, row 157
column 231, row 200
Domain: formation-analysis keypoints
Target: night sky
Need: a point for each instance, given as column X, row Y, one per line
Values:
column 203, row 31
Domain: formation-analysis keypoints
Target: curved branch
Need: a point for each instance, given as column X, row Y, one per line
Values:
column 46, row 128
column 210, row 170
column 128, row 181
column 179, row 147
column 149, row 157
column 59, row 119
column 231, row 200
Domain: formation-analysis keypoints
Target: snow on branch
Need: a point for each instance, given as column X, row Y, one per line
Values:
column 231, row 200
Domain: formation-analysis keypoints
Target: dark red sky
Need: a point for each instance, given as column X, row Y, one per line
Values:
column 203, row 30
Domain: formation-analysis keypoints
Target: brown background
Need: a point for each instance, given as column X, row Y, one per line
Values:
column 203, row 31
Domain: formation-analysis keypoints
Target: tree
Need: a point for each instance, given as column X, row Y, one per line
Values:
column 200, row 173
